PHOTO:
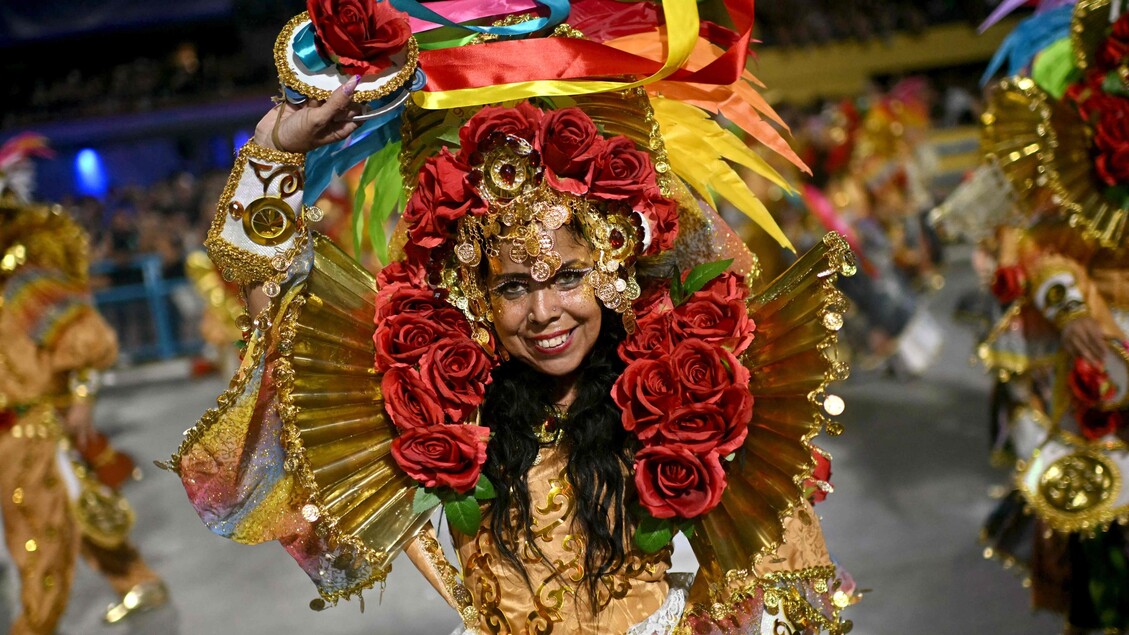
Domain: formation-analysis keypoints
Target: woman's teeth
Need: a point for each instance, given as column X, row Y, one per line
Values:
column 553, row 342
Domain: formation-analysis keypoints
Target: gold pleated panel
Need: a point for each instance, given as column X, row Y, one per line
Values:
column 792, row 360
column 1040, row 143
column 1089, row 27
column 333, row 401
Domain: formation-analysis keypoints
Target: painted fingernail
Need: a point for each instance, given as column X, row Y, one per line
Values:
column 351, row 85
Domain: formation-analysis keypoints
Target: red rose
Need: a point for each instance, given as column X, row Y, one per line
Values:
column 728, row 287
column 1111, row 139
column 705, row 427
column 410, row 402
column 442, row 197
column 358, row 35
column 570, row 143
column 442, row 456
column 673, row 481
column 1115, row 49
column 402, row 272
column 622, row 173
column 646, row 392
column 403, row 338
column 1090, row 383
column 650, row 339
column 654, row 300
column 705, row 370
column 705, row 317
column 492, row 123
column 1008, row 284
column 662, row 216
column 399, row 298
column 459, row 370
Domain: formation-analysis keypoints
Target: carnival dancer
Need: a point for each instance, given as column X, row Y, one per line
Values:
column 1056, row 132
column 568, row 353
column 58, row 476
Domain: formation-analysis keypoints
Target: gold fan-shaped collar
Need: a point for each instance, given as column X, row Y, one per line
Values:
column 1043, row 144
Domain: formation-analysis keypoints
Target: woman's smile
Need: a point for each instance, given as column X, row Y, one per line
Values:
column 553, row 343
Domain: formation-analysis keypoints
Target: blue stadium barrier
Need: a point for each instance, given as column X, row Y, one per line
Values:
column 128, row 306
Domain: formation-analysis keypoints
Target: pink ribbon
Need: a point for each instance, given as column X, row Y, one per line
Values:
column 467, row 10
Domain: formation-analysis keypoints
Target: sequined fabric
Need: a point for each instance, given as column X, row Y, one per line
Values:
column 555, row 600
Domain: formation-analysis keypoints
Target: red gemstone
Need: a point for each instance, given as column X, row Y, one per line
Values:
column 508, row 172
column 616, row 239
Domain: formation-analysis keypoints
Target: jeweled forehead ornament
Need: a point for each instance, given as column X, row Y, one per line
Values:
column 524, row 211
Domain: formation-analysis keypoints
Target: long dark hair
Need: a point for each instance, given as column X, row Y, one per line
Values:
column 517, row 401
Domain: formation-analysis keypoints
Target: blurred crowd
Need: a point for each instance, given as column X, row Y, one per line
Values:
column 168, row 219
column 181, row 65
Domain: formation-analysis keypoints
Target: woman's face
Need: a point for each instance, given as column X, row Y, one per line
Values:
column 551, row 325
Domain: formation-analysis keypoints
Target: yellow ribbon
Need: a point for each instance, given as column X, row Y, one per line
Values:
column 682, row 32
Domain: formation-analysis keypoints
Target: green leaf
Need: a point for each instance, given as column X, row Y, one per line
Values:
column 484, row 490
column 424, row 501
column 463, row 514
column 732, row 455
column 451, row 136
column 701, row 275
column 652, row 534
column 688, row 530
column 382, row 176
column 677, row 292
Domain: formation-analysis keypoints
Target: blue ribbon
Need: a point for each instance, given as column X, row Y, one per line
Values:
column 307, row 49
column 558, row 11
column 335, row 158
column 1029, row 38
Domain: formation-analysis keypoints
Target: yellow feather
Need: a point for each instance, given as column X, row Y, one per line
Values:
column 699, row 149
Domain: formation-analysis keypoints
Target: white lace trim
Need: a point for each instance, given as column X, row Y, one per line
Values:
column 664, row 620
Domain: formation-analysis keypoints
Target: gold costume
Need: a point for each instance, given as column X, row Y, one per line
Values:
column 50, row 330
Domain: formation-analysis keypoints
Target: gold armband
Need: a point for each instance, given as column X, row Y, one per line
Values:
column 260, row 222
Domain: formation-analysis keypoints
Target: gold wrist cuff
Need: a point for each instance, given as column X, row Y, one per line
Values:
column 253, row 150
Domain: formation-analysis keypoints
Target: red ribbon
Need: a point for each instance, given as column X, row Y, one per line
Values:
column 559, row 58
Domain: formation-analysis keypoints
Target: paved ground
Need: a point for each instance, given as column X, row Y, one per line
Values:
column 911, row 476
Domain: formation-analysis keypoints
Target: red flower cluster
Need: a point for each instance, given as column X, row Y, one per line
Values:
column 688, row 403
column 569, row 153
column 1090, row 386
column 1107, row 113
column 358, row 35
column 435, row 376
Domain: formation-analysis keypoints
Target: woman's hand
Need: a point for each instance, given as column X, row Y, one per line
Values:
column 312, row 124
column 1083, row 337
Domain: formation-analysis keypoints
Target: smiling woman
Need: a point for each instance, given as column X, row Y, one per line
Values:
column 563, row 354
column 551, row 326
